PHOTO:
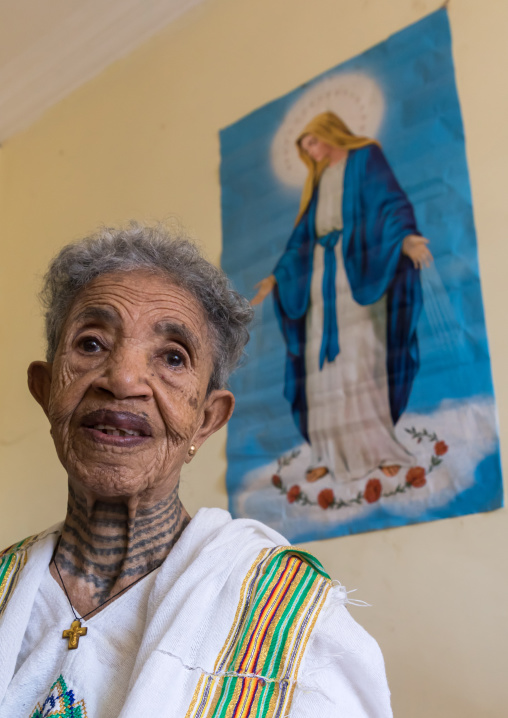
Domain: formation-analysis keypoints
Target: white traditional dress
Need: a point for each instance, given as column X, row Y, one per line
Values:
column 234, row 624
column 350, row 427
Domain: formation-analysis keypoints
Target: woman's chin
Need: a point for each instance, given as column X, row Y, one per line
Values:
column 110, row 483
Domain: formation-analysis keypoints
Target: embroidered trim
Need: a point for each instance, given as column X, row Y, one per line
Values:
column 12, row 560
column 256, row 672
column 60, row 702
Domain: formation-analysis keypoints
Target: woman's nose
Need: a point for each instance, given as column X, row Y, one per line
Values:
column 126, row 374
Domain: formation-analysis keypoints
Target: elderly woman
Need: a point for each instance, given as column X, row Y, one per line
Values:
column 130, row 608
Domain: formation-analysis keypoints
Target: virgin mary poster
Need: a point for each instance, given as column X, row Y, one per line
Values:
column 366, row 400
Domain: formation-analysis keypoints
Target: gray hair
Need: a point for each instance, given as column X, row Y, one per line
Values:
column 159, row 250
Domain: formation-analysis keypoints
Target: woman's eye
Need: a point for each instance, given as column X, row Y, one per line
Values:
column 174, row 359
column 90, row 345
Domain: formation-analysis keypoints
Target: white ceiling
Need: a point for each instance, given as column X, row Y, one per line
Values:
column 50, row 47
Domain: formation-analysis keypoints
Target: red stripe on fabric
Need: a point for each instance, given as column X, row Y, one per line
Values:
column 247, row 683
column 263, row 611
column 271, row 606
column 260, row 645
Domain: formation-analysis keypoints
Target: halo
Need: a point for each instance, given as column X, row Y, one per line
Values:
column 354, row 97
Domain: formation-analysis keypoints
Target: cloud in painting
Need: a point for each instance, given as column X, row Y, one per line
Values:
column 455, row 438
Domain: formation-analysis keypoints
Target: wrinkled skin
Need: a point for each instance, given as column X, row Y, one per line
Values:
column 134, row 343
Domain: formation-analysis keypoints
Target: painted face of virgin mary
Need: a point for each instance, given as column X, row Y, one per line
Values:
column 315, row 148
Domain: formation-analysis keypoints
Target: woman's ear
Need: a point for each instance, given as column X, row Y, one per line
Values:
column 219, row 406
column 39, row 382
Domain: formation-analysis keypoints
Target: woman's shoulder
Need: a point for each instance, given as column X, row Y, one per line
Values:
column 14, row 558
column 217, row 530
column 27, row 543
column 213, row 525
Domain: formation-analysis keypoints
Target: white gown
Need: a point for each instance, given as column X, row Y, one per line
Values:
column 155, row 650
column 350, row 426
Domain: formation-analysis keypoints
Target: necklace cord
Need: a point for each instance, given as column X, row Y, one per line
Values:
column 63, row 584
column 82, row 618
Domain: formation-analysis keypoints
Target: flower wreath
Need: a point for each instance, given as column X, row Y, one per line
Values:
column 416, row 477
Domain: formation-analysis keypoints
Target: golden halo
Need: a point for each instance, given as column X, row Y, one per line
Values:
column 355, row 97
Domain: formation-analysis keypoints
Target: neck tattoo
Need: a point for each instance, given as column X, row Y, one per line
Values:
column 76, row 631
column 103, row 551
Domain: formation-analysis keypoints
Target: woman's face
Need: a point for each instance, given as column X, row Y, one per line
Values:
column 127, row 392
column 315, row 148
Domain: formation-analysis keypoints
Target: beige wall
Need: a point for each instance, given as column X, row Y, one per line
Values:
column 141, row 141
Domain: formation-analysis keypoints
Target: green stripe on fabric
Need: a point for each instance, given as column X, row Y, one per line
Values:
column 307, row 579
column 273, row 661
column 10, row 566
column 261, row 604
column 227, row 689
column 12, row 561
column 262, row 590
column 8, row 579
column 10, row 550
column 278, row 640
column 312, row 561
column 272, row 664
column 4, row 566
column 290, row 613
column 265, row 699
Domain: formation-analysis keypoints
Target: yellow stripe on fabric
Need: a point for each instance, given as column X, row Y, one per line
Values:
column 281, row 659
column 18, row 546
column 196, row 697
column 202, row 704
column 303, row 646
column 207, row 682
column 268, row 670
column 253, row 644
column 257, row 580
column 276, row 644
column 301, row 588
column 15, row 563
column 279, row 692
column 12, row 560
column 249, row 687
column 262, row 587
column 246, row 707
column 241, row 604
column 7, row 568
column 275, row 630
column 272, row 579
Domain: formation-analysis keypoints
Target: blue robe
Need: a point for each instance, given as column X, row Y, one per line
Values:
column 377, row 216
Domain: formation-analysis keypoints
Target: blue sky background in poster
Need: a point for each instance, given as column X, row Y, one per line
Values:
column 420, row 128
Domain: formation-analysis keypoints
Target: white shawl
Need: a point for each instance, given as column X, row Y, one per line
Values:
column 236, row 624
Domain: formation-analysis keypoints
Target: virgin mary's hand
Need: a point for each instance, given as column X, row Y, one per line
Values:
column 264, row 288
column 415, row 247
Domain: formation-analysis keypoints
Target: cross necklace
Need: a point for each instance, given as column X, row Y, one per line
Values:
column 76, row 631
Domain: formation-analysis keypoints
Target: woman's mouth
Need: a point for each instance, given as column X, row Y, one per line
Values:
column 112, row 431
column 116, row 428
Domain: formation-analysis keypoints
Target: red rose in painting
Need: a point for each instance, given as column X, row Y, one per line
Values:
column 325, row 498
column 440, row 448
column 416, row 477
column 276, row 481
column 293, row 493
column 373, row 491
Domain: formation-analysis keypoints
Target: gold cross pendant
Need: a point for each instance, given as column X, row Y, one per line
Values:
column 74, row 633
